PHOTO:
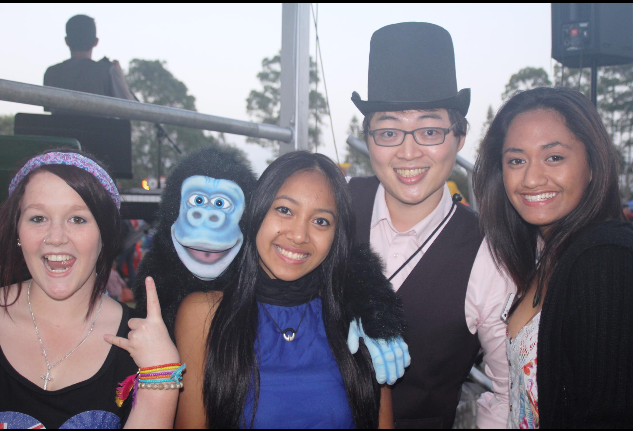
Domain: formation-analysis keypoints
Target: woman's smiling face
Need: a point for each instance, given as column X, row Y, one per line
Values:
column 545, row 167
column 298, row 230
column 60, row 237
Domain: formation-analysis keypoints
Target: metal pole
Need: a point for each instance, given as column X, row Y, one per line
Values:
column 103, row 106
column 594, row 83
column 159, row 139
column 295, row 74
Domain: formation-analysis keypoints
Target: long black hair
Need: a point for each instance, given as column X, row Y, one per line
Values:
column 513, row 241
column 232, row 371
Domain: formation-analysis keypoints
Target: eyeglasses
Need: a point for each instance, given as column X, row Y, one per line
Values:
column 426, row 136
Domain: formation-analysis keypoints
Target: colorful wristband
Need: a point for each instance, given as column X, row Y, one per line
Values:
column 143, row 379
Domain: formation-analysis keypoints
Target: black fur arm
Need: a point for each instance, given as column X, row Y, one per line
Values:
column 369, row 296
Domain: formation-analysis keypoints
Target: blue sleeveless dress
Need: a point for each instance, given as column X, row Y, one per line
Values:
column 300, row 383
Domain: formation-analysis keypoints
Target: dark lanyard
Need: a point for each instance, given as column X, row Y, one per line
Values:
column 456, row 199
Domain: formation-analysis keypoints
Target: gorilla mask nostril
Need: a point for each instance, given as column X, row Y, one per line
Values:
column 214, row 218
column 196, row 215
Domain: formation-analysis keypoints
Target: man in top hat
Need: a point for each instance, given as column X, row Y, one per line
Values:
column 452, row 292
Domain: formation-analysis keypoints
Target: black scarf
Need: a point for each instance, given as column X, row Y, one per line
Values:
column 286, row 293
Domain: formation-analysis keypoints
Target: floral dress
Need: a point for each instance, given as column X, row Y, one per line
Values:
column 523, row 388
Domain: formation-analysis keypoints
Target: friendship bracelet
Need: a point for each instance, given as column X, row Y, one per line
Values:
column 162, row 373
column 156, row 381
column 158, row 369
column 174, row 378
column 143, row 379
column 160, row 366
column 175, row 375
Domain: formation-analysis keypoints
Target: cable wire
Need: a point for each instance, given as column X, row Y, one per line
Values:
column 327, row 98
column 316, row 85
column 580, row 71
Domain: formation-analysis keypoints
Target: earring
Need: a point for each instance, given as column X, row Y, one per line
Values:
column 19, row 244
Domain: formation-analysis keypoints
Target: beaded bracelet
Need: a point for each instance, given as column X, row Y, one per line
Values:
column 162, row 377
column 160, row 386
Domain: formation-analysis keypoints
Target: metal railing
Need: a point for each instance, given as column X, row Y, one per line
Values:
column 55, row 98
column 103, row 106
column 361, row 147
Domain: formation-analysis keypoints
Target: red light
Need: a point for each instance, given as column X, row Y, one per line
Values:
column 574, row 32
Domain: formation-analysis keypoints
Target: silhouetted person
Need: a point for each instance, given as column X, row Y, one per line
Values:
column 80, row 72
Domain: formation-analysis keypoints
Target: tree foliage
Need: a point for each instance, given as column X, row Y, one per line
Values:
column 360, row 164
column 615, row 104
column 524, row 79
column 152, row 83
column 6, row 124
column 490, row 115
column 263, row 105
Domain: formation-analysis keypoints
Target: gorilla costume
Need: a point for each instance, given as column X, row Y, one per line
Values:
column 199, row 235
column 196, row 240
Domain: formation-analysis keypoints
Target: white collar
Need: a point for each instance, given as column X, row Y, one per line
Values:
column 424, row 227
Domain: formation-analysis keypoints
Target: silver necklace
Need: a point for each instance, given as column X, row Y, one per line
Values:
column 49, row 367
column 289, row 333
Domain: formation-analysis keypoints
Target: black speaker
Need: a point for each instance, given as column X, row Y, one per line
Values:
column 592, row 33
column 108, row 139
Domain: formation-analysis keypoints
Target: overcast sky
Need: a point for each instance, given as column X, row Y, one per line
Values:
column 216, row 49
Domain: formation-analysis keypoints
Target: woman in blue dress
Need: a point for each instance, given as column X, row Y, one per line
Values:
column 270, row 351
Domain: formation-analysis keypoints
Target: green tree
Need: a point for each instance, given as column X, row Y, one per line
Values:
column 360, row 164
column 490, row 115
column 263, row 105
column 6, row 124
column 524, row 79
column 152, row 83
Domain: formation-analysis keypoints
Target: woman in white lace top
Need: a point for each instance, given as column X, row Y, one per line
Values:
column 547, row 187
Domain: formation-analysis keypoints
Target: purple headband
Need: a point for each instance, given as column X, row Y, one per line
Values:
column 70, row 159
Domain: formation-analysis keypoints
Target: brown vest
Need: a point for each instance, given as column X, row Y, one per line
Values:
column 442, row 348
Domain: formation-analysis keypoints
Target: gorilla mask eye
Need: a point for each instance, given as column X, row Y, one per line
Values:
column 198, row 200
column 221, row 203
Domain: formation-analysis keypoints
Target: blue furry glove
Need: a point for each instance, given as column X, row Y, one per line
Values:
column 390, row 358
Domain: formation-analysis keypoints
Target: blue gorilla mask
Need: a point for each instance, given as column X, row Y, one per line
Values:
column 207, row 235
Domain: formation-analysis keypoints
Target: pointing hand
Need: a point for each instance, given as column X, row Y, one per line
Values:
column 148, row 342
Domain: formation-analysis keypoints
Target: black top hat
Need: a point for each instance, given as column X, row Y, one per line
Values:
column 412, row 66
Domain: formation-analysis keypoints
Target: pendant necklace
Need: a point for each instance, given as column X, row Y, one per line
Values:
column 289, row 333
column 49, row 367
